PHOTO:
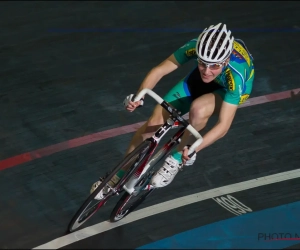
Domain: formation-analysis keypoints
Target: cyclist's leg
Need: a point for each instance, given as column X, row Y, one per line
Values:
column 157, row 118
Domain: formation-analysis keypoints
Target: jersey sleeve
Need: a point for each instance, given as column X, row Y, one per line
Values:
column 186, row 52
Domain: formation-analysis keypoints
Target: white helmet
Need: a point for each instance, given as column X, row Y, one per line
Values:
column 214, row 44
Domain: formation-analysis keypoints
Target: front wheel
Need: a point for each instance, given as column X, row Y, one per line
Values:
column 91, row 205
column 88, row 209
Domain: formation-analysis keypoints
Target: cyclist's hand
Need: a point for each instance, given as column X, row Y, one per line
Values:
column 133, row 105
column 130, row 105
column 186, row 160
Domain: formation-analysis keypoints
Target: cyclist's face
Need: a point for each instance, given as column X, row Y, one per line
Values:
column 209, row 73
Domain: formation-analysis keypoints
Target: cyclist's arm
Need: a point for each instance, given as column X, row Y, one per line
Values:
column 226, row 117
column 155, row 74
column 179, row 57
column 227, row 112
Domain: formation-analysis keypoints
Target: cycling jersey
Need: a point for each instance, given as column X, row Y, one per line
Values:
column 236, row 78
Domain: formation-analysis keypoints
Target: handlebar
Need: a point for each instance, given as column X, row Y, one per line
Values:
column 174, row 113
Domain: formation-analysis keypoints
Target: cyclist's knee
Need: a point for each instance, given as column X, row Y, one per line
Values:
column 199, row 112
column 201, row 109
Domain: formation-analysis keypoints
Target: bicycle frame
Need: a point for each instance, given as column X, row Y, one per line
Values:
column 155, row 139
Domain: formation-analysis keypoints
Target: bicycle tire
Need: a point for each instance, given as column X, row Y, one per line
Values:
column 74, row 223
column 119, row 213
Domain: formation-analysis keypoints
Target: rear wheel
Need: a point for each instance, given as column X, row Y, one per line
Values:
column 129, row 202
column 91, row 206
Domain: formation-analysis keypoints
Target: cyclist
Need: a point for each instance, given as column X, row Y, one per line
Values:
column 221, row 81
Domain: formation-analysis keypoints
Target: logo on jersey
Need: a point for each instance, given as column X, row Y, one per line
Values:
column 190, row 52
column 237, row 57
column 243, row 53
column 229, row 79
column 243, row 98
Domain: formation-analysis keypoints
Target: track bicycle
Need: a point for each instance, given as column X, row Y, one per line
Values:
column 136, row 182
